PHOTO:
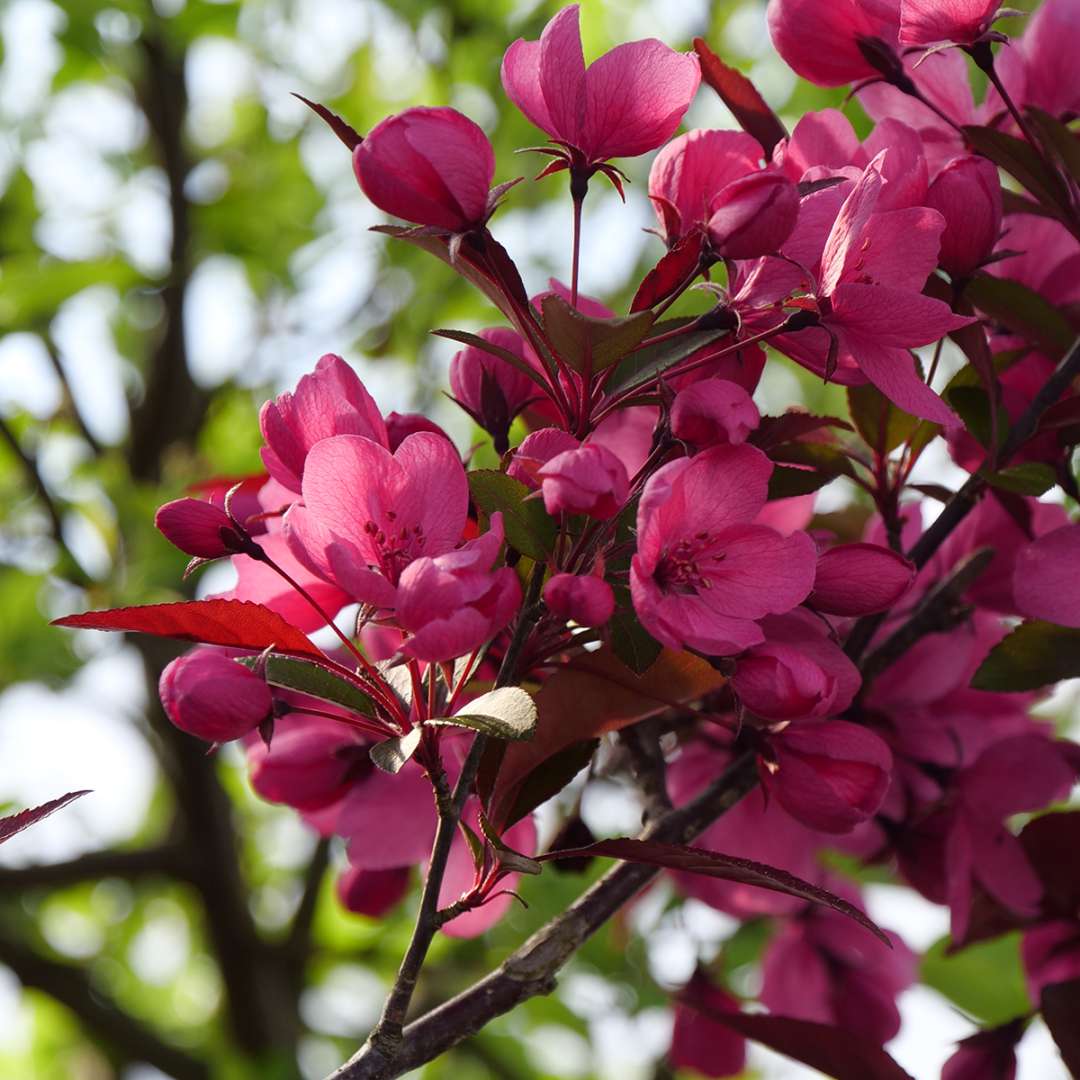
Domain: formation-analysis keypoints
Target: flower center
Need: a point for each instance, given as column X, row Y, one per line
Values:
column 683, row 567
column 394, row 546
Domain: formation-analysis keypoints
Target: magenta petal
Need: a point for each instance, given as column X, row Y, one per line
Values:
column 562, row 75
column 925, row 22
column 859, row 579
column 636, row 95
column 1046, row 580
column 699, row 1042
column 761, row 572
column 521, row 81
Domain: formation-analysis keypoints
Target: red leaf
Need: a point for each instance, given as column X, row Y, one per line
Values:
column 791, row 426
column 1060, row 1005
column 15, row 823
column 841, row 1054
column 345, row 132
column 670, row 272
column 696, row 860
column 238, row 623
column 598, row 694
column 741, row 96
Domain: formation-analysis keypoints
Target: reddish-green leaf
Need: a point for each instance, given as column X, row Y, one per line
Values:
column 15, row 823
column 791, row 426
column 1035, row 654
column 1060, row 1009
column 344, row 131
column 1021, row 160
column 695, row 860
column 1022, row 310
column 741, row 96
column 837, row 1052
column 236, row 623
column 671, row 272
column 587, row 343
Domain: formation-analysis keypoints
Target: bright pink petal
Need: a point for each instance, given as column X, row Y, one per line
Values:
column 437, row 489
column 925, row 22
column 859, row 579
column 562, row 74
column 636, row 96
column 820, row 138
column 1046, row 581
column 843, row 244
column 899, row 249
column 521, row 81
column 904, row 172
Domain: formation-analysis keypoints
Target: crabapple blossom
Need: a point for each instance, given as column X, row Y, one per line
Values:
column 199, row 529
column 967, row 194
column 589, row 480
column 626, row 103
column 583, row 598
column 431, row 166
column 208, row 694
column 753, row 216
column 713, row 412
column 925, row 22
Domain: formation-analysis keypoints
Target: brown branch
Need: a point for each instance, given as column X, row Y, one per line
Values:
column 532, row 969
column 29, row 465
column 966, row 499
column 642, row 744
column 298, row 943
column 69, row 397
column 126, row 1039
column 167, row 860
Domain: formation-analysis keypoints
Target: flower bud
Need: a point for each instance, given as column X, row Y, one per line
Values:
column 859, row 579
column 582, row 598
column 372, row 892
column 967, row 194
column 830, row 775
column 213, row 697
column 753, row 215
column 490, row 389
column 713, row 412
column 399, row 426
column 429, row 166
column 535, row 451
column 779, row 682
column 200, row 529
column 590, row 480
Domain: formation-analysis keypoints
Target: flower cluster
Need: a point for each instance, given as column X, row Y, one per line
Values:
column 649, row 527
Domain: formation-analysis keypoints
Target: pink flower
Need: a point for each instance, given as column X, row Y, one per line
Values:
column 1051, row 954
column 589, row 480
column 1048, row 50
column 373, row 893
column 211, row 696
column 703, row 573
column 626, row 103
column 925, row 22
column 822, row 966
column 399, row 426
column 860, row 579
column 753, row 216
column 200, row 529
column 430, row 166
column 488, row 388
column 690, row 172
column 1046, row 583
column 453, row 603
column 986, row 1055
column 870, row 300
column 310, row 762
column 582, row 598
column 967, row 194
column 1012, row 776
column 713, row 412
column 330, row 401
column 821, row 41
column 832, row 775
column 368, row 513
column 536, row 450
column 698, row 1041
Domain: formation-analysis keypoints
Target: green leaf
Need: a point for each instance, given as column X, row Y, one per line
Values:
column 881, row 424
column 826, row 459
column 1022, row 310
column 631, row 642
column 529, row 528
column 1035, row 654
column 585, row 342
column 785, row 482
column 391, row 756
column 1059, row 140
column 645, row 363
column 972, row 405
column 1022, row 161
column 1031, row 478
column 986, row 980
column 506, row 713
column 314, row 680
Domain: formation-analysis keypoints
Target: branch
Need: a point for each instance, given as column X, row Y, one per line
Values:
column 69, row 397
column 965, row 500
column 642, row 744
column 531, row 970
column 167, row 860
column 385, row 1041
column 127, row 1039
column 33, row 474
column 299, row 940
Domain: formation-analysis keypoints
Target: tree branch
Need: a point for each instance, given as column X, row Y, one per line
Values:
column 33, row 474
column 531, row 970
column 167, row 860
column 127, row 1039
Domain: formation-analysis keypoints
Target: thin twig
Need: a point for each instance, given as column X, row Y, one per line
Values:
column 69, row 397
column 531, row 970
column 167, row 860
column 33, row 474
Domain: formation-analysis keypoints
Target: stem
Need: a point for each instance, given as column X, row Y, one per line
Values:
column 965, row 500
column 531, row 970
column 385, row 1041
column 579, row 186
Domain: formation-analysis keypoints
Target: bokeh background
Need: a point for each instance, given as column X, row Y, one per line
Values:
column 179, row 238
